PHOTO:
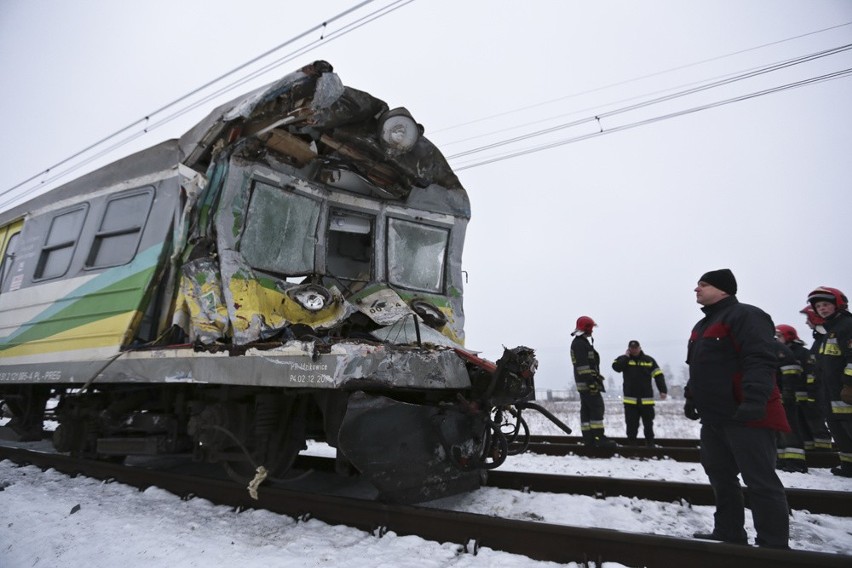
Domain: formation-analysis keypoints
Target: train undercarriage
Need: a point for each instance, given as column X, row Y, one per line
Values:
column 411, row 445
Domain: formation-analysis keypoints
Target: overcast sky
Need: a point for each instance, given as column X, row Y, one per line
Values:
column 617, row 226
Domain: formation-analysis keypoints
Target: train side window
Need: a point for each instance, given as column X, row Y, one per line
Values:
column 120, row 230
column 350, row 245
column 280, row 232
column 55, row 257
column 416, row 255
column 8, row 258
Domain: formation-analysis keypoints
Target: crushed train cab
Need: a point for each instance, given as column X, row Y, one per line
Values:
column 289, row 268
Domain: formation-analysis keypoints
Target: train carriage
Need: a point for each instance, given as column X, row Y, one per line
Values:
column 289, row 268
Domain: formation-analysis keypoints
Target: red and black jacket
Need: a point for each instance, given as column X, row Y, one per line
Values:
column 732, row 358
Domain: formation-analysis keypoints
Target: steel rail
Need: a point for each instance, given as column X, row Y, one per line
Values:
column 838, row 503
column 540, row 541
column 677, row 453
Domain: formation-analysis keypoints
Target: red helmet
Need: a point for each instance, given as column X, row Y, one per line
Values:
column 584, row 325
column 788, row 332
column 813, row 317
column 827, row 294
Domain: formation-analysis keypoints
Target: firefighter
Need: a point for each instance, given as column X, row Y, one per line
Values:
column 816, row 435
column 587, row 375
column 639, row 370
column 790, row 380
column 834, row 367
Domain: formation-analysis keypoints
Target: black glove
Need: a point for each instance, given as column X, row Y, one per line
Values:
column 749, row 411
column 593, row 387
column 690, row 411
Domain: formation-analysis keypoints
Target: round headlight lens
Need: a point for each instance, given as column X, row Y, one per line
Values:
column 312, row 297
column 398, row 131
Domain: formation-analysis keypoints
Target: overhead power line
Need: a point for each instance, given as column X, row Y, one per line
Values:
column 785, row 87
column 641, row 77
column 144, row 125
column 666, row 98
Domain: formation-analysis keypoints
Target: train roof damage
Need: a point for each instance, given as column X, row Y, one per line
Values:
column 309, row 116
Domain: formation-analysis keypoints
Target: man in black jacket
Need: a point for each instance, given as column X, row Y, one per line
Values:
column 639, row 370
column 731, row 388
column 587, row 376
column 834, row 368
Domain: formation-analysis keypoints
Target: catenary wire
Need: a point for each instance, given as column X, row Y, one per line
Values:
column 640, row 78
column 146, row 119
column 373, row 16
column 665, row 98
column 813, row 80
column 348, row 28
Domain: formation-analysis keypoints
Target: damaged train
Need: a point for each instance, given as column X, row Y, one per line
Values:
column 289, row 269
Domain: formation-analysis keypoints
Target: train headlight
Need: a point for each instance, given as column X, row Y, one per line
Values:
column 311, row 297
column 429, row 313
column 398, row 132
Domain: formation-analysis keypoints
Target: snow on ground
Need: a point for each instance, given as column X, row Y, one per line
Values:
column 48, row 519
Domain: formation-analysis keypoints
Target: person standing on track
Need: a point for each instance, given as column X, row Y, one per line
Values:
column 731, row 388
column 587, row 376
column 639, row 370
column 817, row 437
column 790, row 379
column 834, row 368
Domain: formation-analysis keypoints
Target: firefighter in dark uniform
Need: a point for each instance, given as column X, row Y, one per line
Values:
column 790, row 379
column 732, row 389
column 817, row 437
column 834, row 367
column 639, row 371
column 589, row 382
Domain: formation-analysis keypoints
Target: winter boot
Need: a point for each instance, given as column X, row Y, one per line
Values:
column 792, row 466
column 843, row 470
column 604, row 442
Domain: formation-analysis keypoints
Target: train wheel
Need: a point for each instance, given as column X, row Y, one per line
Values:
column 278, row 453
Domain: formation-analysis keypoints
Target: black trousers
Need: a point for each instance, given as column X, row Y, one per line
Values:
column 632, row 414
column 791, row 445
column 591, row 415
column 731, row 449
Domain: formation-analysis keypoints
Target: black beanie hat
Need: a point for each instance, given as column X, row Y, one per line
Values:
column 723, row 279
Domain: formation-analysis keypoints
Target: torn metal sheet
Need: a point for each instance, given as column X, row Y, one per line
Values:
column 201, row 310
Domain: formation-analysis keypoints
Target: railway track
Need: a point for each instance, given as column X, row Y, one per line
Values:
column 681, row 450
column 838, row 503
column 541, row 541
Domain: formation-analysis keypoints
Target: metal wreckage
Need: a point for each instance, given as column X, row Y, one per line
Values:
column 294, row 272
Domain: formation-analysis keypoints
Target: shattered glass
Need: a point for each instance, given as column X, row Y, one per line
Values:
column 416, row 255
column 280, row 232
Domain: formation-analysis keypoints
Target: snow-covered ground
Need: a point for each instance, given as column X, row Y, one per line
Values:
column 48, row 519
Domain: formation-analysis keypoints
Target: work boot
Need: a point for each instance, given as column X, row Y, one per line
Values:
column 604, row 442
column 714, row 536
column 843, row 470
column 792, row 466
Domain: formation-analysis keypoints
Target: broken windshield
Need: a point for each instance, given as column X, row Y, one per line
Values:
column 416, row 255
column 280, row 231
